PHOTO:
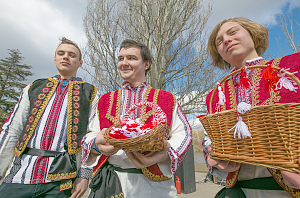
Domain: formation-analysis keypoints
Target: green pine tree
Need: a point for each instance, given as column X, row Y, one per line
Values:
column 12, row 73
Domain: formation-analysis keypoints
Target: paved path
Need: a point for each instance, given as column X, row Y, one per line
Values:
column 203, row 190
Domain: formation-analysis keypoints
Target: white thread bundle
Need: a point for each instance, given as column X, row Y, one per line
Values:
column 221, row 94
column 241, row 129
column 286, row 82
column 243, row 107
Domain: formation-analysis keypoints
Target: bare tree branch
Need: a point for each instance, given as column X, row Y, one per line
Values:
column 174, row 30
column 290, row 29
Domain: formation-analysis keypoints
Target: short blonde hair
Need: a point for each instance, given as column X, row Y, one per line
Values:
column 64, row 40
column 258, row 32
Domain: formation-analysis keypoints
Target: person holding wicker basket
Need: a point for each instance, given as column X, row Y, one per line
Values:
column 126, row 164
column 237, row 44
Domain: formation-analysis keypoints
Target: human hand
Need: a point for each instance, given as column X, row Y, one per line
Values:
column 291, row 179
column 104, row 147
column 79, row 187
column 140, row 160
column 222, row 165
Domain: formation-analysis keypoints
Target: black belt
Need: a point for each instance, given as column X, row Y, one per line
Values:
column 40, row 152
column 105, row 183
column 63, row 166
column 128, row 170
column 263, row 183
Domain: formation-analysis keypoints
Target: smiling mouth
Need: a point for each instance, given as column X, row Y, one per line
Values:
column 230, row 47
column 126, row 69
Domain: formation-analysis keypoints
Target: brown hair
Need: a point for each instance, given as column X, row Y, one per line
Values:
column 145, row 52
column 64, row 40
column 258, row 32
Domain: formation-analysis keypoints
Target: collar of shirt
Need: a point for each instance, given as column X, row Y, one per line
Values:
column 251, row 62
column 57, row 77
column 126, row 85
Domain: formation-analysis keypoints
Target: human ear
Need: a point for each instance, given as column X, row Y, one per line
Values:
column 147, row 64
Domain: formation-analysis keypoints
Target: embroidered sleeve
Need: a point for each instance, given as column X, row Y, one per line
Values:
column 180, row 140
column 87, row 141
column 85, row 173
column 206, row 142
column 12, row 129
column 213, row 170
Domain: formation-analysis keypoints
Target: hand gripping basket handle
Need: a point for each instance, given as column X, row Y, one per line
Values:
column 250, row 67
column 159, row 117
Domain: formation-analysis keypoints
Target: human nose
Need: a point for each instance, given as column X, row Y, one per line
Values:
column 227, row 39
column 66, row 56
column 124, row 62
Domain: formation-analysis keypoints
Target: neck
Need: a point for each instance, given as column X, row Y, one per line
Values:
column 242, row 63
column 135, row 84
column 68, row 77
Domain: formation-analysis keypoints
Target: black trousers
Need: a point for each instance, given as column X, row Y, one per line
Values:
column 46, row 190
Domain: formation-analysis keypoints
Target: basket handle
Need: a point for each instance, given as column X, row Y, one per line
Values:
column 250, row 67
column 159, row 117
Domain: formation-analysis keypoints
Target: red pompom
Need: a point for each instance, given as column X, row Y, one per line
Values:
column 271, row 77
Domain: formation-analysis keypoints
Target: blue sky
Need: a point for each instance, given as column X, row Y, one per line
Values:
column 34, row 26
column 275, row 32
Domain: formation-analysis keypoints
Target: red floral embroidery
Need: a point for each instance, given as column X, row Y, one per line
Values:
column 37, row 103
column 76, row 105
column 25, row 136
column 76, row 120
column 76, row 92
column 74, row 136
column 30, row 119
column 45, row 90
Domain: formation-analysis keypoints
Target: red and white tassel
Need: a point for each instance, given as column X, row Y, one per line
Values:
column 221, row 94
column 241, row 129
column 286, row 82
column 244, row 83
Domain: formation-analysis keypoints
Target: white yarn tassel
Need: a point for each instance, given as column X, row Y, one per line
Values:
column 243, row 107
column 222, row 98
column 241, row 129
column 286, row 82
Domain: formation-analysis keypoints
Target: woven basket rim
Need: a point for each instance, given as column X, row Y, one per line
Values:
column 149, row 134
column 295, row 78
column 252, row 108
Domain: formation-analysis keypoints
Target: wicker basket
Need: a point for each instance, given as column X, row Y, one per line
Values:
column 153, row 140
column 275, row 133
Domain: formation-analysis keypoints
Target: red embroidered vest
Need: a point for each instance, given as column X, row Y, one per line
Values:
column 261, row 97
column 109, row 108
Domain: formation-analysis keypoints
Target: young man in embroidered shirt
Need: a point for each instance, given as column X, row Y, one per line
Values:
column 233, row 44
column 40, row 142
column 132, row 173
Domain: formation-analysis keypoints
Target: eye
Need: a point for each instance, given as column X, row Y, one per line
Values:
column 60, row 53
column 120, row 58
column 219, row 42
column 232, row 32
column 73, row 55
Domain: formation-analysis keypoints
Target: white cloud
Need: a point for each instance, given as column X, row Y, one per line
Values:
column 40, row 22
column 34, row 27
column 263, row 11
